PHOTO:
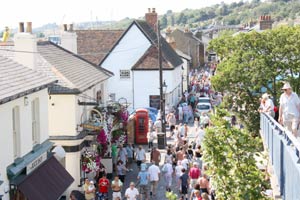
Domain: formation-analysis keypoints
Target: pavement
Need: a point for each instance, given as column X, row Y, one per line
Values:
column 161, row 189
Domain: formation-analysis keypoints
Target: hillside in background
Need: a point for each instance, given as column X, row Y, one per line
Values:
column 241, row 13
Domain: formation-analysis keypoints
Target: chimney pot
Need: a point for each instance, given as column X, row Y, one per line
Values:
column 29, row 27
column 149, row 10
column 65, row 27
column 151, row 18
column 21, row 27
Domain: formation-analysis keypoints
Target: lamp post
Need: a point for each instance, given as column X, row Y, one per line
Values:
column 163, row 116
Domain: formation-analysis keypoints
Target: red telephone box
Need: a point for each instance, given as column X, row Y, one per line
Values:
column 141, row 126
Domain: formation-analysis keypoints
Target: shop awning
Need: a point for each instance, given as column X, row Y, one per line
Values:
column 48, row 182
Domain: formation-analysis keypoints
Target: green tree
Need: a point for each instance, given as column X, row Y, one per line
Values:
column 250, row 61
column 164, row 21
column 229, row 153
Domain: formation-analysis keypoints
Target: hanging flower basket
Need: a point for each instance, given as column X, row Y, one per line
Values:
column 90, row 162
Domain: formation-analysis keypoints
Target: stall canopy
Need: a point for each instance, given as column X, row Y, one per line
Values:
column 48, row 182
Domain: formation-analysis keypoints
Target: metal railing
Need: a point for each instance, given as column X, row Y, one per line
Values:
column 283, row 149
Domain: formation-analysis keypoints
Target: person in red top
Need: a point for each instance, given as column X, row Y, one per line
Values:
column 194, row 174
column 103, row 186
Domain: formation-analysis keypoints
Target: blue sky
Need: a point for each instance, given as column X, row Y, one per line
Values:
column 69, row 11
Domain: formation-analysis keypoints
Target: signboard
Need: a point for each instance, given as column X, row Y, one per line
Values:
column 35, row 163
column 154, row 101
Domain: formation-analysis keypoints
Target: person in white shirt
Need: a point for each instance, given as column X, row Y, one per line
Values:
column 131, row 193
column 185, row 162
column 289, row 110
column 268, row 106
column 199, row 136
column 154, row 173
column 140, row 156
column 168, row 172
column 157, row 125
column 178, row 173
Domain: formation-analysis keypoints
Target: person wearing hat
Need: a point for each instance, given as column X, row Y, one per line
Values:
column 267, row 105
column 289, row 110
column 89, row 190
column 144, row 178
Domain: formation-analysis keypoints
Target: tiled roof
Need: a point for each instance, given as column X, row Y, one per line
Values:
column 74, row 73
column 150, row 59
column 17, row 80
column 93, row 45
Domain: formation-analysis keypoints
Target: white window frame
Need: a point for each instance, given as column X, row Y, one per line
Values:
column 16, row 131
column 35, row 115
column 124, row 74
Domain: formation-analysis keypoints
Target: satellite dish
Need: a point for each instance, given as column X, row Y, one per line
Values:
column 59, row 152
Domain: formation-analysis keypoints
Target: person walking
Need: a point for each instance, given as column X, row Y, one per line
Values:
column 204, row 184
column 150, row 136
column 122, row 154
column 131, row 193
column 130, row 152
column 103, row 186
column 194, row 174
column 184, row 183
column 268, row 106
column 143, row 177
column 154, row 173
column 121, row 170
column 140, row 156
column 168, row 173
column 171, row 119
column 157, row 125
column 116, row 187
column 89, row 189
column 155, row 156
column 289, row 110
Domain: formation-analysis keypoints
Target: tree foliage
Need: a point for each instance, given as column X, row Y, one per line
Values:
column 229, row 153
column 254, row 62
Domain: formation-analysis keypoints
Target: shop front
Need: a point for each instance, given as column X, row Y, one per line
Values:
column 38, row 175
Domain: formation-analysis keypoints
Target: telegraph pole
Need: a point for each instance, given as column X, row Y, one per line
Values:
column 162, row 98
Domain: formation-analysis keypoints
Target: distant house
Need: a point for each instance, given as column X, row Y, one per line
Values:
column 81, row 85
column 189, row 44
column 134, row 61
column 28, row 169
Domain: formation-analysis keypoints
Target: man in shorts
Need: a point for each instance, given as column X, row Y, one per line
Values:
column 144, row 178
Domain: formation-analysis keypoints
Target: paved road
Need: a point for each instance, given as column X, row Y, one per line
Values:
column 132, row 175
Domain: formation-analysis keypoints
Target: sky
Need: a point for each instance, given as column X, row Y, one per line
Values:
column 73, row 11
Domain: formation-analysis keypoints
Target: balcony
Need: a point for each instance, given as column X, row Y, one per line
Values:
column 283, row 149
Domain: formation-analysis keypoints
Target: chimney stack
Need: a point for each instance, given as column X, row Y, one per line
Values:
column 71, row 28
column 65, row 27
column 25, row 46
column 151, row 18
column 21, row 27
column 265, row 22
column 29, row 27
column 69, row 38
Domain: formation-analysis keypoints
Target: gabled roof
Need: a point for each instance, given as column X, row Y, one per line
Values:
column 149, row 61
column 93, row 45
column 74, row 73
column 17, row 80
column 189, row 35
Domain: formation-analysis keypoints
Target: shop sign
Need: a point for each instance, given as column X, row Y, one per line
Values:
column 35, row 163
